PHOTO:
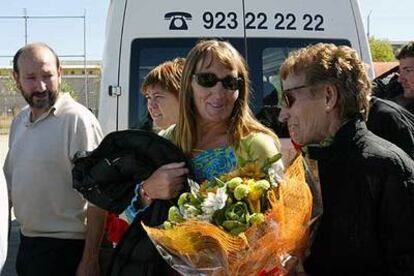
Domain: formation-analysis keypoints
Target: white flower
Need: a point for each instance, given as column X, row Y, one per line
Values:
column 194, row 186
column 213, row 202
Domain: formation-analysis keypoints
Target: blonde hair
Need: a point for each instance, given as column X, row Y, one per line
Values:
column 338, row 65
column 241, row 121
column 167, row 75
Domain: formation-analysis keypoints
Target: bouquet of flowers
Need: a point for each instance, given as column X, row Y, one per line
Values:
column 234, row 201
column 246, row 222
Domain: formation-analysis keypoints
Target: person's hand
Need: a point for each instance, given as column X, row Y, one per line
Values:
column 88, row 266
column 166, row 182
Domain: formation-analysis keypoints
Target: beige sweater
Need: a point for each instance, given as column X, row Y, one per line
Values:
column 38, row 169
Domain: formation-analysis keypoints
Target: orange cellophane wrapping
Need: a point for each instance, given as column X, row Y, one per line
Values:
column 261, row 247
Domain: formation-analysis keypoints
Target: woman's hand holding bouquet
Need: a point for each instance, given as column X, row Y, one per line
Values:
column 241, row 223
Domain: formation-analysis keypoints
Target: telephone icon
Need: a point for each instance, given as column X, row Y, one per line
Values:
column 178, row 20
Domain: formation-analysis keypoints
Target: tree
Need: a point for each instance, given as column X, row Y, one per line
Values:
column 381, row 50
column 9, row 86
column 65, row 86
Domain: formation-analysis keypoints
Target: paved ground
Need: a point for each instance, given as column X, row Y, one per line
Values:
column 8, row 269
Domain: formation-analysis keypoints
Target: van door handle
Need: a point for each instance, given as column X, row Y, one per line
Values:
column 114, row 90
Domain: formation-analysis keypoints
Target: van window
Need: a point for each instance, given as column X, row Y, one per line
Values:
column 264, row 56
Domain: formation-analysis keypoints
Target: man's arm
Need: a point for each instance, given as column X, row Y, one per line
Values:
column 87, row 136
column 89, row 264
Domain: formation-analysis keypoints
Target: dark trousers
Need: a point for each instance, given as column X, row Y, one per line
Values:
column 48, row 256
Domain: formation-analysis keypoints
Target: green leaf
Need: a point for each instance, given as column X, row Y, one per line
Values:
column 219, row 182
column 270, row 161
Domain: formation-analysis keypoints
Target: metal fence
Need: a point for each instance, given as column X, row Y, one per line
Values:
column 84, row 80
column 12, row 102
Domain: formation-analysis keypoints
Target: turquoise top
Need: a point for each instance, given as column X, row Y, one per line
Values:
column 205, row 166
column 213, row 163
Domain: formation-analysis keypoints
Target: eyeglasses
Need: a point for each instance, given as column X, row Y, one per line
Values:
column 208, row 80
column 288, row 98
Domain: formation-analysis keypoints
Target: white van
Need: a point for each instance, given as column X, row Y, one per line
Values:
column 142, row 34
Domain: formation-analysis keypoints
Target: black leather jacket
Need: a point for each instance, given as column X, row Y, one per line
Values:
column 367, row 227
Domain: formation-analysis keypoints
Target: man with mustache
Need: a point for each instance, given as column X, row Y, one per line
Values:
column 60, row 233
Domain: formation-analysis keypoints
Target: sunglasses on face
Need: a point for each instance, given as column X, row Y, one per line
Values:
column 288, row 98
column 209, row 80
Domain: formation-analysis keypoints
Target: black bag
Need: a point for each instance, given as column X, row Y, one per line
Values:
column 108, row 175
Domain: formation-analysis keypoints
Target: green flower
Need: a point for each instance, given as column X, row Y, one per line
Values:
column 237, row 211
column 234, row 182
column 256, row 218
column 174, row 215
column 257, row 188
column 241, row 192
column 167, row 225
column 188, row 198
column 184, row 198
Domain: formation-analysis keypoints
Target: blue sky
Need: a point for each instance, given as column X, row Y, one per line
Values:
column 389, row 19
column 393, row 20
column 64, row 35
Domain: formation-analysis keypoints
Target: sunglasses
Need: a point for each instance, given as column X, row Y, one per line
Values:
column 209, row 80
column 288, row 98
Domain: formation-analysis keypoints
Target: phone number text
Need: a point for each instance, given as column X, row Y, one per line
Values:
column 261, row 21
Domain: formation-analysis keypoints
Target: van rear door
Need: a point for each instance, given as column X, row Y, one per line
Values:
column 264, row 31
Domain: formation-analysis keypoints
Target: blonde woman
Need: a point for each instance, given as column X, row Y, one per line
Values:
column 214, row 119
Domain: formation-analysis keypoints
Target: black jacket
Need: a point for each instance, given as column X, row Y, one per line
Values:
column 108, row 177
column 367, row 227
column 135, row 254
column 393, row 123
